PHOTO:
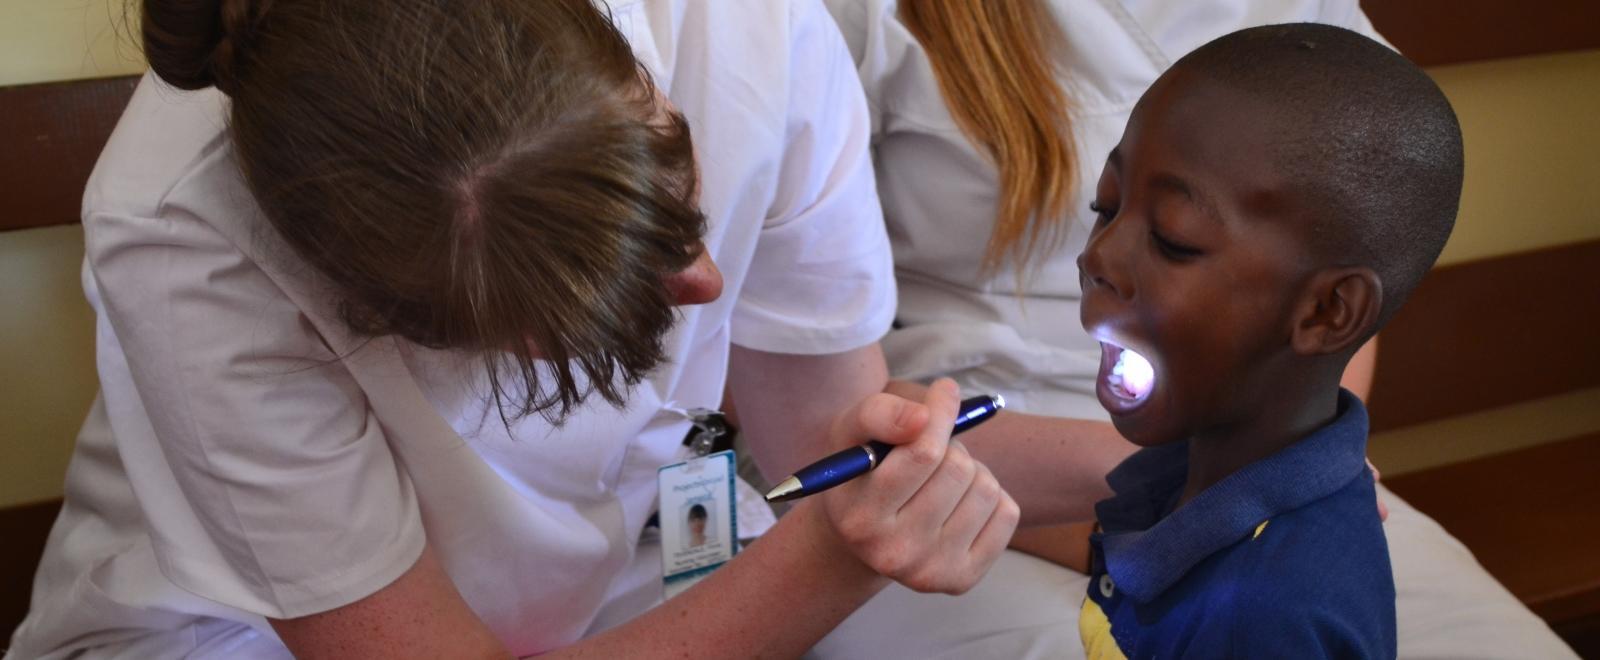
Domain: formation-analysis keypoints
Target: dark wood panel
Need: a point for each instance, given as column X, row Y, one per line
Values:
column 1490, row 333
column 1583, row 635
column 1433, row 32
column 50, row 135
column 24, row 529
column 1532, row 517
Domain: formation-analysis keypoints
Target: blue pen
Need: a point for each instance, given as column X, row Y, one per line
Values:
column 861, row 459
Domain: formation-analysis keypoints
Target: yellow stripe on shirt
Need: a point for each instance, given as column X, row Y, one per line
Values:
column 1095, row 629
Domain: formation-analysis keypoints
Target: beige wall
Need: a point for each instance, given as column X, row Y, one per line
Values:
column 45, row 40
column 1532, row 132
column 46, row 359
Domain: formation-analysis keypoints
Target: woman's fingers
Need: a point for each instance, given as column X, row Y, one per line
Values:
column 996, row 533
column 882, row 417
column 931, row 516
column 916, row 458
column 969, row 541
column 978, row 506
column 974, row 534
column 946, row 489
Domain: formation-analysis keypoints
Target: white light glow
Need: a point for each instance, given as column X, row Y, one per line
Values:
column 1134, row 373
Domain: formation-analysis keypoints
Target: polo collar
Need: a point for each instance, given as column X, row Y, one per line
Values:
column 1146, row 553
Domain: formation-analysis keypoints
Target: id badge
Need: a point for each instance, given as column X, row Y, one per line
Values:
column 698, row 527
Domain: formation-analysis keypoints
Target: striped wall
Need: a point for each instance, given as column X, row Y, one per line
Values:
column 1528, row 206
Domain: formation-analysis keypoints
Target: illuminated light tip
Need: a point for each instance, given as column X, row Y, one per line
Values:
column 1137, row 374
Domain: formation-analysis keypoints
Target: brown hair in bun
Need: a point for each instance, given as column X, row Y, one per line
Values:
column 495, row 177
column 194, row 44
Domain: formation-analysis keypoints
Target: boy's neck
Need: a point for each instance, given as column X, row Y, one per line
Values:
column 1218, row 452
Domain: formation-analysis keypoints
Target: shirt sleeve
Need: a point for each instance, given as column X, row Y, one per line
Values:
column 266, row 483
column 1314, row 586
column 1295, row 631
column 821, row 280
column 1348, row 15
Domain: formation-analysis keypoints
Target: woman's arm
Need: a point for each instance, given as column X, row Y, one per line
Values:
column 785, row 402
column 419, row 615
column 775, row 599
column 1056, row 467
column 1358, row 373
column 930, row 517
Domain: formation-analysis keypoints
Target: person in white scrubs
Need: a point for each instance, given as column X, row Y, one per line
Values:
column 1010, row 325
column 261, row 476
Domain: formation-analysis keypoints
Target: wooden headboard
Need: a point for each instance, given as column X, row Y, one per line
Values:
column 52, row 133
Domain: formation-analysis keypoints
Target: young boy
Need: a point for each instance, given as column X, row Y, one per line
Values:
column 1275, row 197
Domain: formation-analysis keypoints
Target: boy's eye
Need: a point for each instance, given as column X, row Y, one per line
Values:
column 1103, row 215
column 1172, row 250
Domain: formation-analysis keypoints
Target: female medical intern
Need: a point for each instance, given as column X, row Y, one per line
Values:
column 397, row 303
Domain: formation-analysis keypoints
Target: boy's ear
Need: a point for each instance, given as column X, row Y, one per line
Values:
column 1339, row 310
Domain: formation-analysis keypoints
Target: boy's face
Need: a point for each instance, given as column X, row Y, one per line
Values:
column 1194, row 264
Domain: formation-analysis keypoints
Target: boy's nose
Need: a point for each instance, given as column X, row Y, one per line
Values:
column 697, row 284
column 1100, row 264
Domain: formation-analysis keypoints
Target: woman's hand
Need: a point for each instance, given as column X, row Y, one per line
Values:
column 930, row 517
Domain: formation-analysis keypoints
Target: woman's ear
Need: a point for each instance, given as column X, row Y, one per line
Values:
column 1339, row 311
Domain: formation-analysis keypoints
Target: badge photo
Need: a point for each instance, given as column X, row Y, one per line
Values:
column 698, row 524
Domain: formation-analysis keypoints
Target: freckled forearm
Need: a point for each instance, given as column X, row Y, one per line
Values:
column 787, row 403
column 1054, row 467
column 775, row 600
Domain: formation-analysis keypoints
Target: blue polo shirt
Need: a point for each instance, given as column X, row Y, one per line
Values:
column 1283, row 559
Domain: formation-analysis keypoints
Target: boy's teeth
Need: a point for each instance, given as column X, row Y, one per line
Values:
column 1132, row 374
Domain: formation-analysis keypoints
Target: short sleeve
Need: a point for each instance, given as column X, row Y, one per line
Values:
column 1316, row 585
column 267, row 484
column 821, row 279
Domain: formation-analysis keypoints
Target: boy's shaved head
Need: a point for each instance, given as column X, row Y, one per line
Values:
column 1365, row 137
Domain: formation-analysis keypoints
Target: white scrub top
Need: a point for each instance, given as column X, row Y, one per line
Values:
column 939, row 191
column 248, row 458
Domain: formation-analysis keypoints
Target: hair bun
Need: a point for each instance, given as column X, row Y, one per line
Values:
column 193, row 44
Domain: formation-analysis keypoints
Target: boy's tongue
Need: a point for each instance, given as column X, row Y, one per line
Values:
column 1131, row 376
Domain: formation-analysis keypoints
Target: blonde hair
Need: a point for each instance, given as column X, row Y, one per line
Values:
column 991, row 58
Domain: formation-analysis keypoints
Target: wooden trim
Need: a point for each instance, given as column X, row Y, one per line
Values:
column 1490, row 333
column 51, row 135
column 1532, row 518
column 24, row 529
column 1434, row 32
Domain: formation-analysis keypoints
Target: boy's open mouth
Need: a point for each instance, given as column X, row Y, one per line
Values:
column 1130, row 377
